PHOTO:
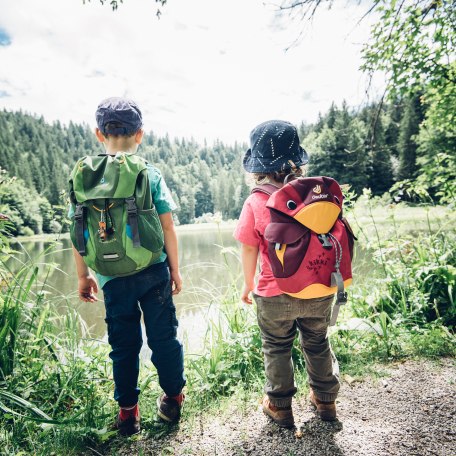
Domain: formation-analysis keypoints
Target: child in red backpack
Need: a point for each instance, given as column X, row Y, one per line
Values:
column 275, row 153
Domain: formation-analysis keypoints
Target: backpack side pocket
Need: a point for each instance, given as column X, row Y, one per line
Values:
column 150, row 230
column 287, row 246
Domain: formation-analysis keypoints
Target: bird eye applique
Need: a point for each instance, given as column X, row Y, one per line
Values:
column 291, row 205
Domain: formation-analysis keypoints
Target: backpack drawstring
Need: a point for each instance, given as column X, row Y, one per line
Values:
column 337, row 250
column 337, row 280
column 103, row 230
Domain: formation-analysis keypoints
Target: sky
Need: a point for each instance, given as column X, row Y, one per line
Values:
column 206, row 69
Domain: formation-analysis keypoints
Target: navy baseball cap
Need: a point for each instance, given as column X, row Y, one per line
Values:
column 273, row 145
column 118, row 116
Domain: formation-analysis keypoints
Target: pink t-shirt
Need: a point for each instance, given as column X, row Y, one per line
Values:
column 250, row 230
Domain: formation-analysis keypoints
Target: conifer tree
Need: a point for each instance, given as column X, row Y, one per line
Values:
column 407, row 142
column 380, row 167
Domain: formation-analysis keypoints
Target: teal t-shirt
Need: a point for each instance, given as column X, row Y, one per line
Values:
column 163, row 201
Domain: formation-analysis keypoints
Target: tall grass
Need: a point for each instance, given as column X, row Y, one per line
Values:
column 409, row 291
column 51, row 383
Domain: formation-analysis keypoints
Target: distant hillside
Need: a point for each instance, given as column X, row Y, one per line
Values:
column 203, row 179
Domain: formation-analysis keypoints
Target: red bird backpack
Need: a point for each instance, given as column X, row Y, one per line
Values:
column 310, row 244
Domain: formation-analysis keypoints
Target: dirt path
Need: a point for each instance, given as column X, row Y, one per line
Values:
column 410, row 411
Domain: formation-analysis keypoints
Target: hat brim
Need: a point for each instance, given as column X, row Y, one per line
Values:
column 257, row 165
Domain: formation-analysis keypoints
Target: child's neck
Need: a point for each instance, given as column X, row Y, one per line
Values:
column 113, row 150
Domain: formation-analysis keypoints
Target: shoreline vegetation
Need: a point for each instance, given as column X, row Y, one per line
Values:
column 56, row 380
column 416, row 215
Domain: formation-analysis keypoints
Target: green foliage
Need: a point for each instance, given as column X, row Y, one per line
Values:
column 28, row 212
column 413, row 42
column 52, row 382
column 380, row 149
column 431, row 294
column 233, row 355
column 407, row 141
column 22, row 206
column 415, row 284
column 437, row 144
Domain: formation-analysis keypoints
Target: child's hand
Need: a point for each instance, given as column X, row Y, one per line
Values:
column 87, row 288
column 245, row 298
column 176, row 282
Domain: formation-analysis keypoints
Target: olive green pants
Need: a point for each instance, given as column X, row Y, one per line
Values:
column 279, row 318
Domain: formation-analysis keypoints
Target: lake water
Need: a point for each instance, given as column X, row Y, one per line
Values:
column 208, row 258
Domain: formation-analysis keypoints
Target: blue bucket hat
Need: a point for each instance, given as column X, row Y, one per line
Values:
column 118, row 116
column 273, row 145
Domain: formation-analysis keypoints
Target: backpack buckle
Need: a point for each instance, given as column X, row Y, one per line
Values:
column 131, row 205
column 79, row 212
column 342, row 298
column 326, row 244
column 132, row 218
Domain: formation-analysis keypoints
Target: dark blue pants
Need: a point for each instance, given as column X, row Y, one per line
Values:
column 148, row 291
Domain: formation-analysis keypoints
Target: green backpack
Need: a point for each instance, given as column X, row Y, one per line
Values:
column 115, row 226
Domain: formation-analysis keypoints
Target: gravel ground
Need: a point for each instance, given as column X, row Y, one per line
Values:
column 411, row 410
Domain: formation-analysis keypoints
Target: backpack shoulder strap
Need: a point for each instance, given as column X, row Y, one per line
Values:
column 267, row 189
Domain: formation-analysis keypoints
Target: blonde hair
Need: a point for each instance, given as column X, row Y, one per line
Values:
column 276, row 176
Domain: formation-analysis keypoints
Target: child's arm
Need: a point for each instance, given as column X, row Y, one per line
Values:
column 249, row 256
column 169, row 233
column 87, row 284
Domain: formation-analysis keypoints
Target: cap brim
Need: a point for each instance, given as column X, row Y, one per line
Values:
column 247, row 161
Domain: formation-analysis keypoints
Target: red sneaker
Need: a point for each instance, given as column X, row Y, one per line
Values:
column 127, row 422
column 169, row 408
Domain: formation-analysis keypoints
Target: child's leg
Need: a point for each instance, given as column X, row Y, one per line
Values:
column 321, row 364
column 124, row 335
column 161, row 328
column 277, row 332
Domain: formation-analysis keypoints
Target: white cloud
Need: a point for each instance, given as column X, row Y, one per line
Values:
column 207, row 68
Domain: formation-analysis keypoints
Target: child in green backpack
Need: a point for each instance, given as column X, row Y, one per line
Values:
column 147, row 292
